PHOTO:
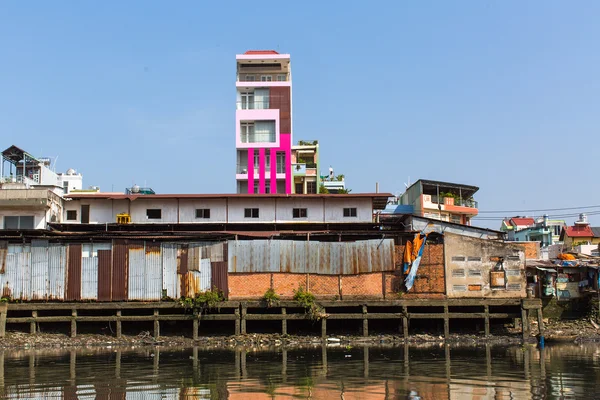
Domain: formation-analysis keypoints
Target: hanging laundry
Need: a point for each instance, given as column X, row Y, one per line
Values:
column 413, row 252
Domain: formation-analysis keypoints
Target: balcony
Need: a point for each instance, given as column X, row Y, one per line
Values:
column 451, row 201
column 299, row 169
column 252, row 105
column 28, row 198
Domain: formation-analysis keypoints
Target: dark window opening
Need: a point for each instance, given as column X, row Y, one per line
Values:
column 71, row 215
column 203, row 213
column 85, row 214
column 154, row 213
column 350, row 212
column 299, row 212
column 19, row 222
column 251, row 212
column 311, row 187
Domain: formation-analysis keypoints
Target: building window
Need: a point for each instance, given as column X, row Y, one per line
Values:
column 71, row 215
column 256, row 161
column 203, row 213
column 268, row 161
column 249, row 78
column 247, row 100
column 256, row 186
column 299, row 213
column 258, row 132
column 250, row 212
column 311, row 187
column 350, row 212
column 266, row 78
column 281, row 78
column 153, row 213
column 281, row 162
column 19, row 222
column 267, row 186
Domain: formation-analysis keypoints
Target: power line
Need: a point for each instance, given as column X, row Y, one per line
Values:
column 496, row 218
column 539, row 210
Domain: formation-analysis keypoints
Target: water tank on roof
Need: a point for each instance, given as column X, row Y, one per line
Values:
column 583, row 219
column 135, row 189
column 70, row 171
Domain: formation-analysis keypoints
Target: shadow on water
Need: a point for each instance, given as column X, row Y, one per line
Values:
column 321, row 372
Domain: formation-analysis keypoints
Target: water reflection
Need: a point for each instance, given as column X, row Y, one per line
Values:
column 317, row 372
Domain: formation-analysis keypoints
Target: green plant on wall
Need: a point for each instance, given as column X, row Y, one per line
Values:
column 307, row 301
column 203, row 300
column 323, row 189
column 270, row 297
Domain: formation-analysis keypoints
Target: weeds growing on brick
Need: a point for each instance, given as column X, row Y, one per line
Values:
column 307, row 300
column 270, row 297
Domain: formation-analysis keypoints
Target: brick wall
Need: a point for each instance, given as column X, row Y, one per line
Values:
column 363, row 285
column 325, row 285
column 248, row 285
column 430, row 276
column 285, row 284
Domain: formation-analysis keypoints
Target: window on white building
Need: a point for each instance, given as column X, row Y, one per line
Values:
column 350, row 212
column 250, row 212
column 247, row 100
column 299, row 213
column 71, row 215
column 258, row 132
column 249, row 78
column 280, row 162
column 153, row 213
column 266, row 78
column 281, row 77
column 203, row 213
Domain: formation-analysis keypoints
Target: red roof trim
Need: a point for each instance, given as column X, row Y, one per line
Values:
column 253, row 52
column 579, row 231
column 523, row 221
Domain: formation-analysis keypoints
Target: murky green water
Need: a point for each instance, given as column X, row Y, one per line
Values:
column 403, row 372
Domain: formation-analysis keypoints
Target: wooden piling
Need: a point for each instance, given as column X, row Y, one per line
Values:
column 540, row 318
column 283, row 321
column 156, row 324
column 32, row 328
column 446, row 322
column 524, row 323
column 119, row 327
column 405, row 322
column 3, row 312
column 74, row 323
column 243, row 322
column 237, row 321
column 365, row 328
column 195, row 324
column 324, row 327
column 487, row 320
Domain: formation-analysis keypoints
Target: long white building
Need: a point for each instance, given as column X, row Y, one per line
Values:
column 103, row 208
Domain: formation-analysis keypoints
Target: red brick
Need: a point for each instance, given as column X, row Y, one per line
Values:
column 362, row 286
column 284, row 284
column 248, row 285
column 324, row 285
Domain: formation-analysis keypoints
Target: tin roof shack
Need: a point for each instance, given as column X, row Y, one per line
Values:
column 480, row 268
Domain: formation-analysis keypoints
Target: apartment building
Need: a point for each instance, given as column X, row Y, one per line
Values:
column 305, row 167
column 263, row 122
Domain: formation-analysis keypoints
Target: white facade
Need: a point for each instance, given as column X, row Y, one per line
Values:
column 70, row 181
column 225, row 209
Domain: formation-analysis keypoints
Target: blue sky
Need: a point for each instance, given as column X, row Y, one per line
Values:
column 502, row 95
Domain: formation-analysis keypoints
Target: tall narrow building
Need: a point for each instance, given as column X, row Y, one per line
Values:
column 263, row 122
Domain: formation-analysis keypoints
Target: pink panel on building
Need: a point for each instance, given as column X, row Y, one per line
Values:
column 261, row 171
column 273, row 170
column 286, row 145
column 250, row 170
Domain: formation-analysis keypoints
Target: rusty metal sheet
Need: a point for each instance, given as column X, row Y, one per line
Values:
column 170, row 282
column 120, row 270
column 3, row 254
column 189, row 283
column 16, row 279
column 182, row 259
column 193, row 258
column 497, row 279
column 137, row 277
column 74, row 273
column 104, row 275
column 314, row 264
column 219, row 277
column 57, row 266
column 39, row 269
column 153, row 273
column 205, row 275
column 89, row 278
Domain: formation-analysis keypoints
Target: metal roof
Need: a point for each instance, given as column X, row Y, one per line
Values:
column 15, row 154
column 468, row 190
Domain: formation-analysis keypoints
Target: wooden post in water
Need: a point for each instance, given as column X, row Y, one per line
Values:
column 3, row 313
column 283, row 321
column 324, row 326
column 32, row 328
column 405, row 322
column 487, row 320
column 365, row 329
column 156, row 324
column 243, row 325
column 73, row 365
column 524, row 322
column 540, row 318
column 237, row 321
column 366, row 361
column 73, row 322
column 446, row 322
column 119, row 330
column 195, row 324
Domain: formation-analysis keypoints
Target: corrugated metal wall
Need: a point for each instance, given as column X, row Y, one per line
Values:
column 120, row 270
column 327, row 258
column 74, row 273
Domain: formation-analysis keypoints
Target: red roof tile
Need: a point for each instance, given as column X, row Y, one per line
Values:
column 252, row 52
column 523, row 221
column 579, row 231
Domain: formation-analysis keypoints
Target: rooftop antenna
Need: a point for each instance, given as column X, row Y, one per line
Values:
column 407, row 183
column 54, row 164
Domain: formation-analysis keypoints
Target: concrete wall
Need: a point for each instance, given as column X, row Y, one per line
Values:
column 470, row 261
column 39, row 216
column 221, row 210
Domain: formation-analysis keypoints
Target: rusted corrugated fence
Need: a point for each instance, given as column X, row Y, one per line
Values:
column 326, row 258
column 117, row 271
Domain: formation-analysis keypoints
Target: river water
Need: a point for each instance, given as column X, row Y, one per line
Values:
column 319, row 372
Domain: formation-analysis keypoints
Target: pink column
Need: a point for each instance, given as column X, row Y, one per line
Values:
column 261, row 171
column 250, row 171
column 287, row 146
column 273, row 170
